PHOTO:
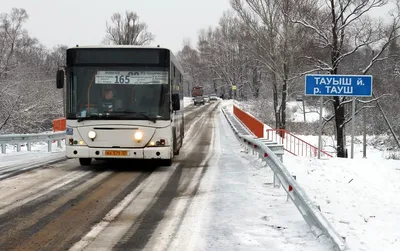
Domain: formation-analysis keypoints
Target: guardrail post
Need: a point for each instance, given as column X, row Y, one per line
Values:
column 49, row 145
column 246, row 148
column 276, row 181
column 17, row 141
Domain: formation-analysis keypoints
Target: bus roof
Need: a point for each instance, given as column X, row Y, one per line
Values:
column 172, row 56
column 117, row 46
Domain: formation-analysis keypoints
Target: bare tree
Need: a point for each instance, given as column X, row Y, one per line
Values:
column 342, row 28
column 127, row 30
column 269, row 44
column 221, row 59
column 11, row 31
column 190, row 62
column 277, row 46
column 28, row 99
column 57, row 57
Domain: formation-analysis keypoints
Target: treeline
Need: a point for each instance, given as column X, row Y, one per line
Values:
column 29, row 100
column 28, row 97
column 266, row 47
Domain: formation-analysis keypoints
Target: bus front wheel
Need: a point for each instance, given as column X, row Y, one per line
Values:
column 175, row 145
column 85, row 161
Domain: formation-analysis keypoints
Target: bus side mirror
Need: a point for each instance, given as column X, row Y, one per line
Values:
column 60, row 79
column 176, row 103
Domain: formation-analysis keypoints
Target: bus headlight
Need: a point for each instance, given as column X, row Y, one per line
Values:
column 138, row 135
column 92, row 134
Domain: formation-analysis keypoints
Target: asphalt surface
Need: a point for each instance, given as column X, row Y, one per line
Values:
column 112, row 205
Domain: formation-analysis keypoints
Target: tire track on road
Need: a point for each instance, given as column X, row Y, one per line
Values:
column 60, row 220
column 138, row 202
column 139, row 235
column 16, row 169
column 56, row 216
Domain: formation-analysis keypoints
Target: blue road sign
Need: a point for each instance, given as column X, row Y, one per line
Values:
column 339, row 85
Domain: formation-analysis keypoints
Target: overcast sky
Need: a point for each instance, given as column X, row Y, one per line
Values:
column 83, row 22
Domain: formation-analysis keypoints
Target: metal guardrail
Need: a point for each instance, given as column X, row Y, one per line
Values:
column 311, row 213
column 28, row 139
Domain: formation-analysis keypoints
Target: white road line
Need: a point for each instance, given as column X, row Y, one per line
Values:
column 53, row 186
column 24, row 166
column 190, row 134
column 142, row 196
column 30, row 184
column 189, row 235
column 107, row 233
column 171, row 224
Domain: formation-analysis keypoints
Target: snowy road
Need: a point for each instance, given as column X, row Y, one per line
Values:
column 213, row 198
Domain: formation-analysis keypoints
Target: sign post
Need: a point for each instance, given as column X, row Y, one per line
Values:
column 321, row 105
column 364, row 135
column 353, row 125
column 339, row 85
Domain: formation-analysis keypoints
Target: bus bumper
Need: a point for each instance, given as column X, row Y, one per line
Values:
column 120, row 153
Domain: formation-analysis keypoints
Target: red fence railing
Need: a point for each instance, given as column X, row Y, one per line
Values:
column 291, row 143
column 294, row 144
column 59, row 124
column 254, row 125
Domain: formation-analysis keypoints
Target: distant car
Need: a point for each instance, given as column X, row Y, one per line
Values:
column 207, row 99
column 213, row 97
column 199, row 100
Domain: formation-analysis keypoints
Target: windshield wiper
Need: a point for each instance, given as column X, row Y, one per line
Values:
column 141, row 113
column 113, row 115
column 147, row 117
column 80, row 119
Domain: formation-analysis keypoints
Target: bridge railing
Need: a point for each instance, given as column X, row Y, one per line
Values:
column 294, row 144
column 311, row 213
column 291, row 143
column 19, row 139
column 253, row 124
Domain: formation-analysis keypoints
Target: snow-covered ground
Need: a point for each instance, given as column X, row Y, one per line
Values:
column 39, row 152
column 246, row 212
column 235, row 208
column 187, row 101
column 296, row 114
column 358, row 196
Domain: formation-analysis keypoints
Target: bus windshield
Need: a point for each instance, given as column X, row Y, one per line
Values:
column 115, row 92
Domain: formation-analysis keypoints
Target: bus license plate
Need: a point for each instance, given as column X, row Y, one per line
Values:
column 115, row 153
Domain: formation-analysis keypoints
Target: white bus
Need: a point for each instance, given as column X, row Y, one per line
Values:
column 122, row 102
